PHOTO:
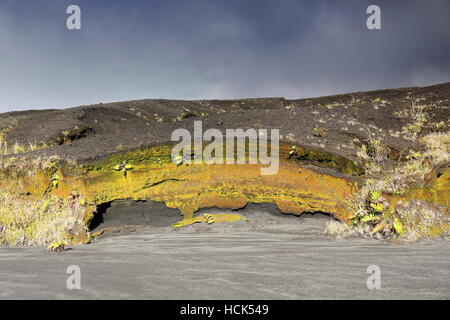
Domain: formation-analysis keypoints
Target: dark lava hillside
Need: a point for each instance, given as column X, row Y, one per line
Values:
column 337, row 124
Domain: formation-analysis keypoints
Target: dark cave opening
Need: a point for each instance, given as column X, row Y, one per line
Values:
column 128, row 212
column 97, row 220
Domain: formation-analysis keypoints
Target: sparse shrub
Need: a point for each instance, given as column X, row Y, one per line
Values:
column 27, row 220
column 416, row 114
column 17, row 148
column 371, row 210
column 331, row 105
column 420, row 219
column 437, row 147
column 28, row 166
column 372, row 155
column 439, row 126
column 55, row 180
column 32, row 146
column 338, row 229
column 319, row 132
column 158, row 118
column 58, row 246
column 293, row 151
column 123, row 167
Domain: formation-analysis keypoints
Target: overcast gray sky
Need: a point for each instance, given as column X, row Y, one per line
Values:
column 195, row 49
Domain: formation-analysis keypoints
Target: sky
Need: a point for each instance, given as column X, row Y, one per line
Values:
column 215, row 49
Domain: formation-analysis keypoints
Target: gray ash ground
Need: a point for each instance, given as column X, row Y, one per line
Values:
column 128, row 216
column 288, row 260
column 273, row 256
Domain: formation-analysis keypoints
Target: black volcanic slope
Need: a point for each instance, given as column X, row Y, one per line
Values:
column 94, row 131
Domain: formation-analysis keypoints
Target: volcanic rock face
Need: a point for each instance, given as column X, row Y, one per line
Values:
column 295, row 188
column 328, row 148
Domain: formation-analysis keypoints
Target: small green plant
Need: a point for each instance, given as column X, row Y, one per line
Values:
column 158, row 118
column 439, row 126
column 377, row 207
column 398, row 227
column 17, row 148
column 58, row 246
column 319, row 132
column 55, row 180
column 417, row 116
column 375, row 195
column 293, row 151
column 123, row 167
column 208, row 218
column 186, row 114
column 369, row 218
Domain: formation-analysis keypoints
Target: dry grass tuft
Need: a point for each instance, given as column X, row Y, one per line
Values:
column 338, row 230
column 27, row 220
column 416, row 115
column 421, row 219
column 438, row 147
column 410, row 220
column 26, row 165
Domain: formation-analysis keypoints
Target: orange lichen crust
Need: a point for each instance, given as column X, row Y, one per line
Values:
column 151, row 175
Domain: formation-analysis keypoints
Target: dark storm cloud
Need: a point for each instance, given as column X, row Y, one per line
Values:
column 215, row 49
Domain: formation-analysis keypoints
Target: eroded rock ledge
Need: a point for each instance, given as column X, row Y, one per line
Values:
column 294, row 189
